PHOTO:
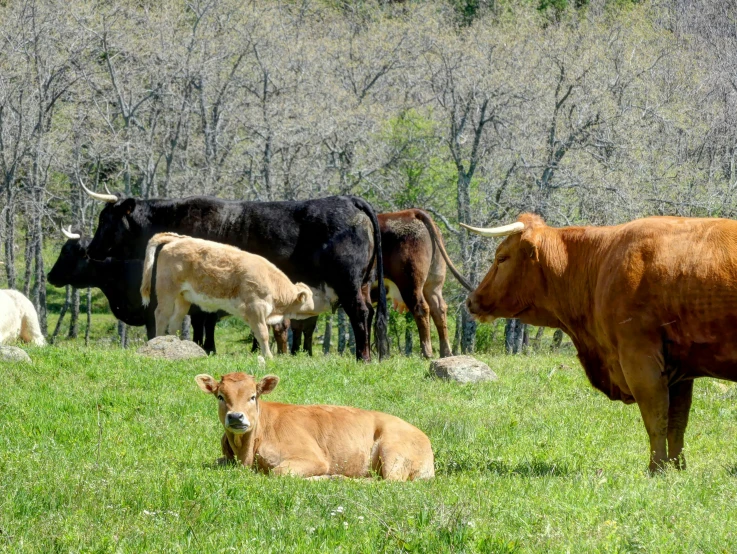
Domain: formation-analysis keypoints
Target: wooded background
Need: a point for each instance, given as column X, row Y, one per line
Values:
column 591, row 112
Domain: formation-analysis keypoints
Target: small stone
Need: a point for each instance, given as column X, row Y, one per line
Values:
column 170, row 347
column 13, row 354
column 463, row 369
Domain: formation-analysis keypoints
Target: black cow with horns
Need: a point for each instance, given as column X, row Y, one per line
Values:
column 332, row 244
column 120, row 282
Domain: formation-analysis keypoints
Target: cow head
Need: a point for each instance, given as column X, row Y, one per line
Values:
column 515, row 286
column 237, row 395
column 304, row 304
column 71, row 265
column 114, row 236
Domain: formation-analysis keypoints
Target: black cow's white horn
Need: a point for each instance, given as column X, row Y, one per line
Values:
column 503, row 231
column 68, row 234
column 107, row 189
column 97, row 196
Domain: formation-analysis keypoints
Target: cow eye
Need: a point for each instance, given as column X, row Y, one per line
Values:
column 501, row 259
column 253, row 398
column 220, row 397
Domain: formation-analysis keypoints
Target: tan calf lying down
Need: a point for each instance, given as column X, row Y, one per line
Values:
column 314, row 441
column 216, row 277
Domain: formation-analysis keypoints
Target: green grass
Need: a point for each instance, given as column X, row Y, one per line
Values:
column 104, row 451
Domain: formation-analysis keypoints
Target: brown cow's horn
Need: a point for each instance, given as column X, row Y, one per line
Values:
column 503, row 231
column 97, row 196
column 68, row 234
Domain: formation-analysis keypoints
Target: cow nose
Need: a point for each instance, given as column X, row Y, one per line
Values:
column 469, row 304
column 237, row 420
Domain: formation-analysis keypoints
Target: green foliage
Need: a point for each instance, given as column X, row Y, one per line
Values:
column 103, row 451
column 426, row 175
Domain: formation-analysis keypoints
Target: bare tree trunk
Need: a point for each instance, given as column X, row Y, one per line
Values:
column 123, row 334
column 328, row 334
column 457, row 333
column 10, row 239
column 409, row 321
column 468, row 333
column 89, row 317
column 514, row 336
column 74, row 315
column 186, row 328
column 341, row 330
column 351, row 341
column 523, row 338
column 64, row 308
column 557, row 340
column 39, row 286
column 28, row 273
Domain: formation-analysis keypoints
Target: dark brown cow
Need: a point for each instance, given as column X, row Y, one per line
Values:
column 650, row 305
column 414, row 267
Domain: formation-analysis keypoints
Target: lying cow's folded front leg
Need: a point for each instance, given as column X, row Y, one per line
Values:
column 302, row 468
column 228, row 455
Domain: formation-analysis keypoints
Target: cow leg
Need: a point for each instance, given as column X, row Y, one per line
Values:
column 643, row 371
column 209, row 322
column 680, row 405
column 150, row 324
column 439, row 313
column 181, row 309
column 366, row 290
column 280, row 336
column 357, row 311
column 309, row 331
column 421, row 312
column 261, row 331
column 228, row 454
column 197, row 324
column 296, row 337
column 302, row 467
column 163, row 312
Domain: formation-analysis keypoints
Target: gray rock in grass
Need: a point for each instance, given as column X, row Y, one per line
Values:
column 170, row 347
column 463, row 369
column 13, row 354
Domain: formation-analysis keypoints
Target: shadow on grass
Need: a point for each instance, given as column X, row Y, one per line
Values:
column 731, row 470
column 534, row 468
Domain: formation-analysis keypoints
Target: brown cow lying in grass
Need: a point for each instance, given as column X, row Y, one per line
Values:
column 216, row 277
column 314, row 441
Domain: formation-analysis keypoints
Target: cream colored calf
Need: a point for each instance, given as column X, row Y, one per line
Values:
column 216, row 277
column 18, row 319
column 314, row 441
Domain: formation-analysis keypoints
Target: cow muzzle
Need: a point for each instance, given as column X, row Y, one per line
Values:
column 237, row 422
column 477, row 312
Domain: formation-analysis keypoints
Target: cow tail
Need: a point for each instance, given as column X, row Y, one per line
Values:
column 438, row 240
column 382, row 315
column 152, row 250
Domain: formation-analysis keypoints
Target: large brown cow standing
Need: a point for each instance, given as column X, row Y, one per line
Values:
column 650, row 306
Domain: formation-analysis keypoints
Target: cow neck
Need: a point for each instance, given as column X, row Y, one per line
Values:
column 572, row 283
column 245, row 446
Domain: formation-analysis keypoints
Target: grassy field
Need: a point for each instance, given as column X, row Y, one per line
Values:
column 104, row 451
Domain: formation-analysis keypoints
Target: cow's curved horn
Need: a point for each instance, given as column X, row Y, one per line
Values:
column 107, row 190
column 503, row 231
column 68, row 234
column 98, row 196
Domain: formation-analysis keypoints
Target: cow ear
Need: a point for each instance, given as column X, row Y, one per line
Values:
column 127, row 206
column 529, row 244
column 302, row 297
column 206, row 383
column 267, row 385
